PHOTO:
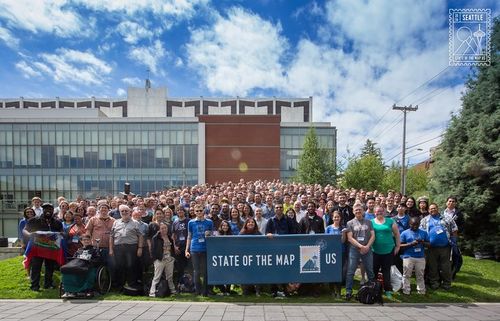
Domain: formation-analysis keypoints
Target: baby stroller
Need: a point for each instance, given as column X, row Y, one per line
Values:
column 85, row 273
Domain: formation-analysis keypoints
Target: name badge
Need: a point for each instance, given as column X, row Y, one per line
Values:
column 361, row 238
column 201, row 240
column 417, row 250
column 181, row 238
column 439, row 231
column 75, row 239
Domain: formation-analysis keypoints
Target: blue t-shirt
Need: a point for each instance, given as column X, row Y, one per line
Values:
column 403, row 223
column 369, row 216
column 235, row 230
column 197, row 229
column 437, row 233
column 330, row 229
column 409, row 236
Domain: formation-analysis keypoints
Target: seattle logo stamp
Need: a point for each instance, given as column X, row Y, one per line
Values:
column 470, row 37
column 310, row 259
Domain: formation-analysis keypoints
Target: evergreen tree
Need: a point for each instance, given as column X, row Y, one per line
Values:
column 315, row 163
column 467, row 163
column 370, row 148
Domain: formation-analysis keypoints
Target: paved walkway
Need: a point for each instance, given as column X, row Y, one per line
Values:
column 185, row 311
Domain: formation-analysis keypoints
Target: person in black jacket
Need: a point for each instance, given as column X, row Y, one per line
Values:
column 45, row 222
column 162, row 254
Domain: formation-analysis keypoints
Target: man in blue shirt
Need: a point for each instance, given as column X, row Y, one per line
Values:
column 196, row 248
column 413, row 241
column 442, row 232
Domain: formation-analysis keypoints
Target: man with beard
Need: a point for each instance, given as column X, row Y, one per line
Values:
column 344, row 210
column 45, row 222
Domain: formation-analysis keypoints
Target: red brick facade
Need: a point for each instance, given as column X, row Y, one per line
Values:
column 241, row 146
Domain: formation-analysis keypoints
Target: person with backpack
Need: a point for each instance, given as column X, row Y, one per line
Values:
column 360, row 236
column 442, row 231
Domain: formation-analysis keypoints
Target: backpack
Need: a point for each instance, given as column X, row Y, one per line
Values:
column 162, row 289
column 186, row 284
column 370, row 293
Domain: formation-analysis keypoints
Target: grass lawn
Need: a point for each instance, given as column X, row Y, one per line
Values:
column 478, row 281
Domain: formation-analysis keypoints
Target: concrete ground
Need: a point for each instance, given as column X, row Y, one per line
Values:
column 185, row 311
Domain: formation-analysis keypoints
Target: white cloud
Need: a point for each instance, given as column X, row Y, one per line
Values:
column 28, row 72
column 238, row 53
column 149, row 56
column 7, row 37
column 120, row 92
column 52, row 16
column 133, row 32
column 132, row 81
column 69, row 67
column 178, row 8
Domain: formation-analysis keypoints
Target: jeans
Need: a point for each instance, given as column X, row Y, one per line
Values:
column 383, row 262
column 126, row 264
column 36, row 268
column 200, row 272
column 354, row 256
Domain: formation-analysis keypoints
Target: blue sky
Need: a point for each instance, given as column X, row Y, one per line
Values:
column 355, row 58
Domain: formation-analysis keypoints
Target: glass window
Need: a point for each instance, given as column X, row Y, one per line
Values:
column 151, row 138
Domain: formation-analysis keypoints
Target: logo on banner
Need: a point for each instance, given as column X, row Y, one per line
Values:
column 470, row 37
column 310, row 259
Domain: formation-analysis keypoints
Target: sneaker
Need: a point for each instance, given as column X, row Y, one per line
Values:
column 348, row 296
column 49, row 286
column 388, row 294
column 279, row 295
column 257, row 294
column 220, row 294
column 446, row 287
column 152, row 295
column 35, row 289
column 173, row 292
column 406, row 293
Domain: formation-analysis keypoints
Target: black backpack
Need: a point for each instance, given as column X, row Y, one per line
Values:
column 370, row 293
column 162, row 289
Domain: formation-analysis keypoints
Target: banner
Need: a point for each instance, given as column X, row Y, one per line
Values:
column 48, row 245
column 248, row 259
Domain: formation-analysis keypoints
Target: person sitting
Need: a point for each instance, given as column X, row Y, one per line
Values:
column 77, row 282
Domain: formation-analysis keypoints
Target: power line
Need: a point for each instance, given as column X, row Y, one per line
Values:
column 425, row 83
column 410, row 147
column 426, row 141
column 400, row 99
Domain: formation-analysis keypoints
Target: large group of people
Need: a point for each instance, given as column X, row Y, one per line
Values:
column 164, row 233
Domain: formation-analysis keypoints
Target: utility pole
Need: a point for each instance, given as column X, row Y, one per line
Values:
column 404, row 109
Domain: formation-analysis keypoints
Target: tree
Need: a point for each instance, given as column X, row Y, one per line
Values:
column 392, row 178
column 467, row 163
column 316, row 164
column 365, row 172
column 370, row 148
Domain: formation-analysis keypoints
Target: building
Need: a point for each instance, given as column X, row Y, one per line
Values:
column 91, row 147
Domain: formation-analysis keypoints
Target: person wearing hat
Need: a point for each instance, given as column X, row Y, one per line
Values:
column 36, row 203
column 46, row 222
column 423, row 206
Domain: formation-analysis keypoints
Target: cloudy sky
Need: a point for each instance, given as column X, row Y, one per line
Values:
column 355, row 58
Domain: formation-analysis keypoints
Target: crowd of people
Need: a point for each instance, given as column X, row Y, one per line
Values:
column 164, row 233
